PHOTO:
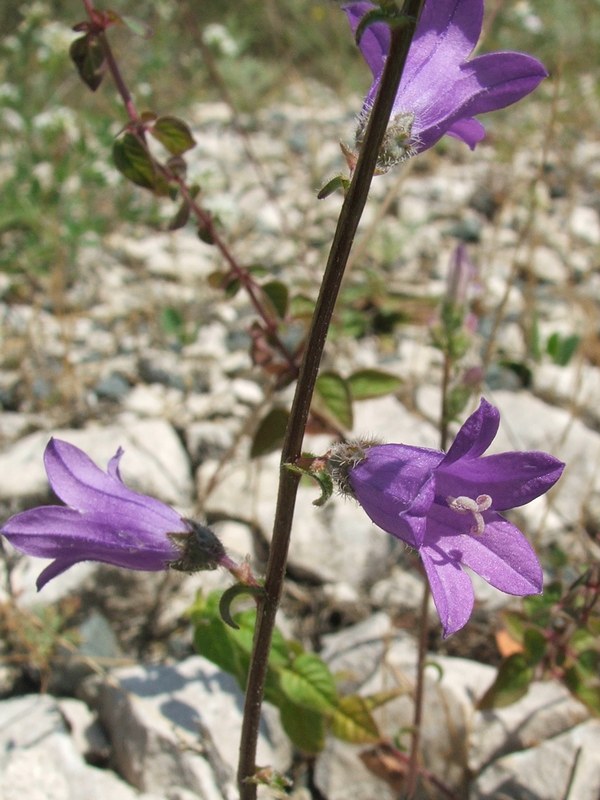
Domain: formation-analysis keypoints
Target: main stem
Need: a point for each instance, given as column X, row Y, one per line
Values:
column 349, row 218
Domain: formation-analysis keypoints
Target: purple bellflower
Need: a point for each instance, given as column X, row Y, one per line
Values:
column 441, row 91
column 104, row 520
column 446, row 506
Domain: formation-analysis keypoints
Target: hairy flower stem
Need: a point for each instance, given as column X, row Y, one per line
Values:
column 349, row 218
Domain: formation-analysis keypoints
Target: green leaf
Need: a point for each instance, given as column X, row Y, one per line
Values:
column 561, row 349
column 172, row 321
column 373, row 701
column 173, row 134
column 535, row 644
column 305, row 728
column 309, row 683
column 278, row 296
column 584, row 686
column 135, row 163
column 88, row 56
column 181, row 217
column 338, row 183
column 368, row 383
column 270, row 432
column 352, row 721
column 512, row 683
column 302, row 307
column 333, row 398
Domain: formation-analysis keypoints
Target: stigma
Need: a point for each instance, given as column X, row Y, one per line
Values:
column 466, row 505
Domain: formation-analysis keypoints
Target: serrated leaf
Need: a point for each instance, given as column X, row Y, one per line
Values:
column 308, row 683
column 332, row 396
column 278, row 296
column 270, row 432
column 173, row 134
column 352, row 721
column 305, row 728
column 88, row 56
column 135, row 163
column 368, row 383
column 512, row 683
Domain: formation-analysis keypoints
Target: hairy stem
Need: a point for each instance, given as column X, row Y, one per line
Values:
column 288, row 484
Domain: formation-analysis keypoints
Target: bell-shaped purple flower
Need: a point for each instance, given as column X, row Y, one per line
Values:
column 441, row 91
column 446, row 507
column 104, row 520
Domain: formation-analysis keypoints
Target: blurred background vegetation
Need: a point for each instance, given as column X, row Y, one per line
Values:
column 59, row 190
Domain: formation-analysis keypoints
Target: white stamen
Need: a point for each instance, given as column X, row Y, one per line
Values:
column 466, row 505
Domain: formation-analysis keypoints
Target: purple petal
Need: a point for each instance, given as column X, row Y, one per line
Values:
column 469, row 131
column 447, row 32
column 487, row 83
column 82, row 485
column 510, row 479
column 375, row 41
column 54, row 569
column 501, row 555
column 394, row 485
column 475, row 436
column 451, row 588
column 58, row 532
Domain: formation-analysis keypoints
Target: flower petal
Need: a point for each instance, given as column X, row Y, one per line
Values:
column 475, row 436
column 510, row 479
column 469, row 131
column 487, row 83
column 54, row 569
column 394, row 485
column 447, row 32
column 451, row 588
column 501, row 555
column 57, row 532
column 82, row 485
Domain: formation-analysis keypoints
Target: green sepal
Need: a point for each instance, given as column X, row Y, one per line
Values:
column 321, row 476
column 231, row 594
column 388, row 12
